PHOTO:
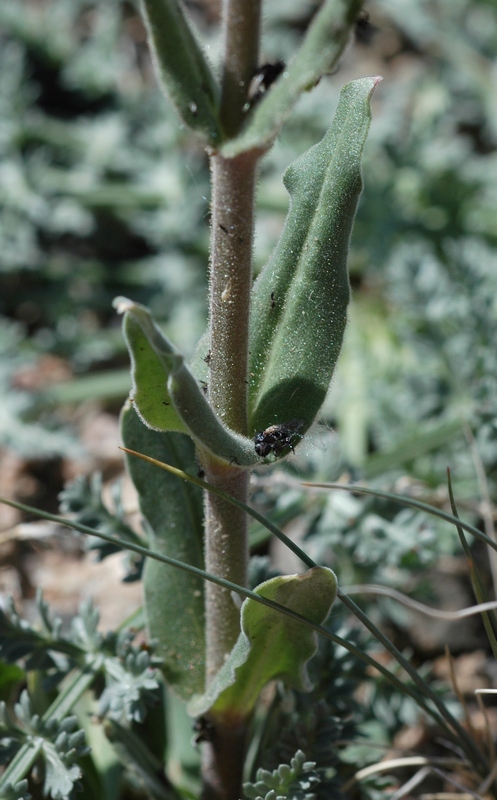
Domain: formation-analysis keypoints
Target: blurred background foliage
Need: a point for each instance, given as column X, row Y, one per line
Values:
column 102, row 192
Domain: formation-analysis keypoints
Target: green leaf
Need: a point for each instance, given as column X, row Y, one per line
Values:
column 300, row 299
column 318, row 54
column 270, row 644
column 183, row 758
column 288, row 782
column 40, row 649
column 136, row 757
column 149, row 393
column 58, row 741
column 82, row 498
column 10, row 675
column 182, row 67
column 17, row 792
column 61, row 774
column 174, row 600
column 166, row 395
column 131, row 684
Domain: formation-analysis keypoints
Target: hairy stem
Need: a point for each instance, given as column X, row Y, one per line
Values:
column 226, row 555
column 223, row 763
column 226, row 550
column 241, row 34
column 233, row 185
column 226, row 541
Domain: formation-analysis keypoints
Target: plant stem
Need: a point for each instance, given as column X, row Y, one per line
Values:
column 226, row 555
column 241, row 34
column 233, row 191
column 226, row 539
column 226, row 549
column 233, row 186
column 222, row 762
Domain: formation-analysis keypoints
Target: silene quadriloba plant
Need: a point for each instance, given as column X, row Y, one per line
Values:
column 259, row 377
column 193, row 432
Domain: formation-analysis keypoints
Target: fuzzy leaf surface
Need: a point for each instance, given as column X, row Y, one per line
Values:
column 294, row 781
column 82, row 497
column 17, row 792
column 59, row 742
column 174, row 600
column 299, row 307
column 270, row 644
column 167, row 396
column 182, row 67
column 318, row 54
column 150, row 394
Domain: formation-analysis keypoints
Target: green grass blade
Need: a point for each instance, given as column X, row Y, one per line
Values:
column 407, row 501
column 488, row 619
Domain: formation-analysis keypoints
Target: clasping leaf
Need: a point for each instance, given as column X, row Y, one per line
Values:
column 271, row 645
column 299, row 305
column 167, row 396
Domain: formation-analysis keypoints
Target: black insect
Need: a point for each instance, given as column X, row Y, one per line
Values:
column 262, row 79
column 204, row 730
column 364, row 30
column 277, row 438
column 273, row 300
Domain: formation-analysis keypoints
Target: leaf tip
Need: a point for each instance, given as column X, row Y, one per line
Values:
column 122, row 304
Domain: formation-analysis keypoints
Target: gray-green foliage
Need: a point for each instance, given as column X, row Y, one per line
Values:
column 326, row 37
column 130, row 673
column 185, row 71
column 428, row 219
column 21, row 427
column 299, row 305
column 123, row 676
column 427, row 211
column 17, row 791
column 58, row 743
column 420, row 357
column 174, row 600
column 317, row 721
column 270, row 647
column 82, row 498
column 84, row 204
column 294, row 781
column 85, row 211
column 430, row 172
